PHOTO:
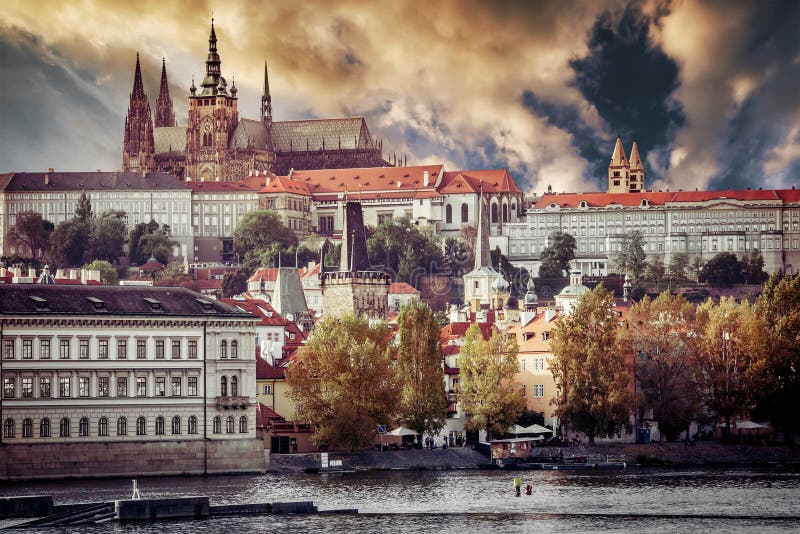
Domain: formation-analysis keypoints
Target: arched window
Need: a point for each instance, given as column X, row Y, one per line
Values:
column 494, row 213
column 27, row 428
column 44, row 428
column 8, row 428
column 223, row 349
column 513, row 207
column 176, row 425
column 122, row 426
column 141, row 426
column 505, row 212
column 243, row 424
column 192, row 425
column 464, row 213
column 448, row 214
column 229, row 424
column 159, row 426
column 223, row 387
column 217, row 425
column 234, row 349
column 102, row 426
column 234, row 386
column 207, row 139
column 63, row 429
column 83, row 427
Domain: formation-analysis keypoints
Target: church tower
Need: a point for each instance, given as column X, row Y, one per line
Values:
column 138, row 152
column 636, row 173
column 213, row 116
column 165, row 116
column 266, row 101
column 618, row 170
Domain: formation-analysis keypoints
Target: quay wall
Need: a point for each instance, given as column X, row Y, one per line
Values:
column 130, row 458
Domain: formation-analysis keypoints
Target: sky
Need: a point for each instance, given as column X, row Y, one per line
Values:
column 710, row 90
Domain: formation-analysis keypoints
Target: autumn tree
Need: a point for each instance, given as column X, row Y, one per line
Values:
column 631, row 258
column 423, row 405
column 343, row 381
column 589, row 370
column 33, row 232
column 560, row 250
column 488, row 393
column 729, row 354
column 658, row 335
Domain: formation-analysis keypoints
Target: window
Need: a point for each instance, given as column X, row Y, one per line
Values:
column 8, row 349
column 122, row 426
column 141, row 349
column 234, row 386
column 27, row 388
column 192, row 425
column 448, row 214
column 44, row 387
column 63, row 386
column 464, row 213
column 538, row 390
column 83, row 349
column 122, row 386
column 176, row 349
column 242, row 424
column 159, row 349
column 223, row 349
column 102, row 426
column 505, row 212
column 44, row 349
column 27, row 349
column 234, row 349
column 8, row 428
column 494, row 213
column 83, row 386
column 524, row 390
column 63, row 349
column 141, row 386
column 102, row 349
column 27, row 428
column 191, row 386
column 176, row 386
column 161, row 386
column 217, row 425
column 229, row 424
column 102, row 386
column 192, row 349
column 223, row 387
column 83, row 427
column 206, row 139
column 9, row 385
column 64, row 428
column 44, row 428
column 176, row 425
column 122, row 349
column 141, row 426
column 268, row 389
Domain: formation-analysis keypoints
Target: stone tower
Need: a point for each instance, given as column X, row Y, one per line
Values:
column 165, row 116
column 618, row 170
column 213, row 116
column 478, row 282
column 636, row 172
column 138, row 152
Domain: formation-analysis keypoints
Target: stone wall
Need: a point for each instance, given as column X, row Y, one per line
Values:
column 20, row 462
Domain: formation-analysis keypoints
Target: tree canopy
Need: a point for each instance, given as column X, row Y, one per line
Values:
column 151, row 240
column 556, row 256
column 108, row 236
column 259, row 237
column 69, row 242
column 108, row 275
column 631, row 258
column 33, row 232
column 389, row 242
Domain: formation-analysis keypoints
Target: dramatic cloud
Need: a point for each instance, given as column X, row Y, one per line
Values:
column 542, row 88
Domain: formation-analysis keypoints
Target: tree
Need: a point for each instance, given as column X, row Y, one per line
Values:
column 108, row 275
column 488, row 394
column 696, row 267
column 33, row 232
column 729, row 352
column 655, row 270
column 83, row 210
column 260, row 232
column 658, row 336
column 677, row 267
column 343, row 381
column 779, row 394
column 423, row 405
column 457, row 257
column 136, row 234
column 158, row 245
column 389, row 241
column 331, row 253
column 108, row 236
column 469, row 235
column 630, row 258
column 723, row 270
column 235, row 283
column 69, row 242
column 407, row 270
column 589, row 370
column 557, row 255
column 752, row 267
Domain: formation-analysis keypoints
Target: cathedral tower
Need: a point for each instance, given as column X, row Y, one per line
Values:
column 266, row 100
column 138, row 150
column 636, row 174
column 618, row 170
column 165, row 116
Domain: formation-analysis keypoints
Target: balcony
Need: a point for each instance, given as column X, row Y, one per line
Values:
column 233, row 403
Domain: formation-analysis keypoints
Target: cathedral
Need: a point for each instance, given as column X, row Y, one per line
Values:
column 217, row 145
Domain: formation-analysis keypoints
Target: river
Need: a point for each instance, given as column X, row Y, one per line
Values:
column 636, row 500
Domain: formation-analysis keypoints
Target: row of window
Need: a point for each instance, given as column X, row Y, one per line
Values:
column 65, row 426
column 538, row 391
column 103, row 385
column 100, row 350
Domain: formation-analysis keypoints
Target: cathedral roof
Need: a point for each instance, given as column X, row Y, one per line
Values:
column 349, row 133
column 247, row 131
column 168, row 139
column 79, row 181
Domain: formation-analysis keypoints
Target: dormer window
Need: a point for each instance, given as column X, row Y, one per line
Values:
column 97, row 304
column 39, row 302
column 583, row 204
column 207, row 306
column 645, row 203
column 154, row 304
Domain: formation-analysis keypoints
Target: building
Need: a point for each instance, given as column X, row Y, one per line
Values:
column 217, row 145
column 401, row 294
column 624, row 175
column 113, row 381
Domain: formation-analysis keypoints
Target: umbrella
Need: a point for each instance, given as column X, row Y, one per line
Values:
column 750, row 425
column 402, row 431
column 536, row 429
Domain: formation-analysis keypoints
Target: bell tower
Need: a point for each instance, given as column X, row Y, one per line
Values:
column 618, row 170
column 138, row 152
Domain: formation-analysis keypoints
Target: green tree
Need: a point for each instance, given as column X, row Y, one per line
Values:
column 723, row 270
column 488, row 393
column 260, row 236
column 631, row 258
column 157, row 244
column 69, row 242
column 136, row 234
column 108, row 236
column 235, row 283
column 332, row 254
column 33, row 232
column 557, row 255
column 343, row 381
column 457, row 257
column 388, row 242
column 407, row 270
column 423, row 405
column 677, row 267
column 752, row 267
column 655, row 270
column 696, row 267
column 589, row 370
column 108, row 275
column 83, row 210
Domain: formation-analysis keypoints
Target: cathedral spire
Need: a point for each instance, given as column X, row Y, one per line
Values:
column 213, row 62
column 138, row 87
column 636, row 162
column 266, row 98
column 482, row 254
column 138, row 148
column 165, row 115
column 618, row 158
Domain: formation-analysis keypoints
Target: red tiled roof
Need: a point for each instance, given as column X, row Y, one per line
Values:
column 310, row 272
column 250, row 184
column 367, row 180
column 401, row 288
column 660, row 198
column 209, row 284
column 265, row 371
column 261, row 309
column 449, row 350
column 267, row 274
column 789, row 195
column 284, row 184
column 264, row 414
column 459, row 330
column 491, row 181
column 743, row 194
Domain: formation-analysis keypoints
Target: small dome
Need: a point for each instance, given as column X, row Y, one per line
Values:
column 500, row 285
column 234, row 90
column 192, row 88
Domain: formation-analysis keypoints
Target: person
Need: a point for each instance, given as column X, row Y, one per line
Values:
column 528, row 489
column 517, row 484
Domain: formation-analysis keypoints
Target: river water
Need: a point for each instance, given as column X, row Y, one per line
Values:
column 636, row 500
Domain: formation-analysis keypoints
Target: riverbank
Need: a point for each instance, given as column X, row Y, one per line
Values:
column 706, row 453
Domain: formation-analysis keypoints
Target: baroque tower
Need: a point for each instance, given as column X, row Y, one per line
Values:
column 165, row 116
column 138, row 152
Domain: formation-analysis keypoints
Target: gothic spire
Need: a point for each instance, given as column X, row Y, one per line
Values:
column 618, row 158
column 138, row 87
column 213, row 62
column 266, row 98
column 138, row 148
column 482, row 254
column 165, row 115
column 636, row 162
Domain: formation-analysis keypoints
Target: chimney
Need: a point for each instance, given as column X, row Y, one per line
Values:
column 59, row 274
column 47, row 177
column 269, row 180
column 31, row 272
column 426, row 178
